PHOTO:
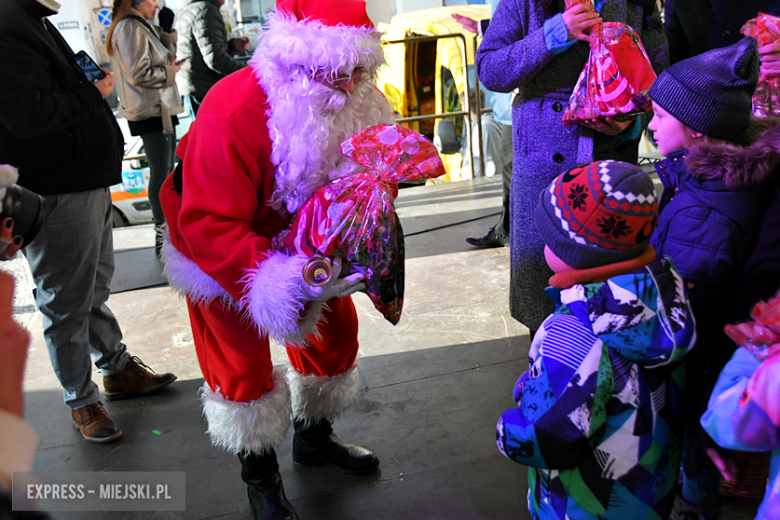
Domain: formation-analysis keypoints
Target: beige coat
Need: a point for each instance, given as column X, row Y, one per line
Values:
column 145, row 77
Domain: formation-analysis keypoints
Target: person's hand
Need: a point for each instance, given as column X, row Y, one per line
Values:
column 725, row 464
column 335, row 287
column 241, row 44
column 165, row 17
column 9, row 244
column 769, row 55
column 467, row 23
column 176, row 65
column 13, row 350
column 578, row 21
column 105, row 85
column 608, row 126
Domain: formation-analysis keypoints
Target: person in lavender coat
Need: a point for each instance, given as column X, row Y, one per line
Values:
column 538, row 48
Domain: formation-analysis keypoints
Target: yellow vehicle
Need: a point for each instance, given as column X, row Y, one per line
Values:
column 426, row 76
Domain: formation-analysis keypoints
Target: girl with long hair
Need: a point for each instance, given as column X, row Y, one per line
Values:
column 144, row 56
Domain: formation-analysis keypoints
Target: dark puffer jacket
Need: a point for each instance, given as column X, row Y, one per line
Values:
column 54, row 126
column 203, row 43
column 715, row 197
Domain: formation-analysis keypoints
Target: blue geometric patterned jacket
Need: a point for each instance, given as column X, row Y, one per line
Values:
column 599, row 410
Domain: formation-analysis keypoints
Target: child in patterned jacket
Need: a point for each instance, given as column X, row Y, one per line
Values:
column 598, row 412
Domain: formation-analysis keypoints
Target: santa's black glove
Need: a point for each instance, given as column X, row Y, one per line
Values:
column 166, row 19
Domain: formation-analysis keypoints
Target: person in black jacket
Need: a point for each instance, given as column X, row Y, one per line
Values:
column 207, row 54
column 56, row 128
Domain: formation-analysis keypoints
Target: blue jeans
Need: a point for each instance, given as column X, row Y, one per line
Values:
column 72, row 262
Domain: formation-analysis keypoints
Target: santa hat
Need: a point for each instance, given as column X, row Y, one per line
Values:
column 329, row 12
column 327, row 35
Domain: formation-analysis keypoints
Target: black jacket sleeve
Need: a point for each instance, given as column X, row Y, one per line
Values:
column 209, row 32
column 32, row 103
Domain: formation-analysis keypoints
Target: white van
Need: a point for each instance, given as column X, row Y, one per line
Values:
column 130, row 200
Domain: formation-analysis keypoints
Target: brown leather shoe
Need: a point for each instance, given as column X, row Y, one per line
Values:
column 94, row 423
column 135, row 379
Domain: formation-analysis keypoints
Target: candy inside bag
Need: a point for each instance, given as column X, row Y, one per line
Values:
column 762, row 335
column 765, row 28
column 588, row 4
column 354, row 217
column 616, row 77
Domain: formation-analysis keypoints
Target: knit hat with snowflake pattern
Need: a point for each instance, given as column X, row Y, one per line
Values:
column 598, row 213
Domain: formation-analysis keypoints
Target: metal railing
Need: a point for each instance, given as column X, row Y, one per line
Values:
column 478, row 110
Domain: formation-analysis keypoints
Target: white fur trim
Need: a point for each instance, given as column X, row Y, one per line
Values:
column 307, row 121
column 187, row 279
column 309, row 44
column 252, row 426
column 323, row 397
column 274, row 300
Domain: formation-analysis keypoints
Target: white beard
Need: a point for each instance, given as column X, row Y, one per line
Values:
column 307, row 123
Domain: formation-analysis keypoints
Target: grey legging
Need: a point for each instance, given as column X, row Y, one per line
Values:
column 160, row 149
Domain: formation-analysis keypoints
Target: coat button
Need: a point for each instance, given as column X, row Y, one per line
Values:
column 662, row 166
column 557, row 106
column 558, row 158
column 665, row 174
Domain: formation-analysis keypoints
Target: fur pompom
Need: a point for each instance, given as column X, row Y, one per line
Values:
column 274, row 301
column 253, row 426
column 323, row 397
column 8, row 175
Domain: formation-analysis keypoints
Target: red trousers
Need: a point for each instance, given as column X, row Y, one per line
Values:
column 236, row 359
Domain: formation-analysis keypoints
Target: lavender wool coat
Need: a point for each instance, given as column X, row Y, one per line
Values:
column 512, row 56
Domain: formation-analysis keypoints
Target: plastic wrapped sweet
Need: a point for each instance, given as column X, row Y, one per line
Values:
column 588, row 4
column 353, row 217
column 762, row 335
column 765, row 28
column 616, row 77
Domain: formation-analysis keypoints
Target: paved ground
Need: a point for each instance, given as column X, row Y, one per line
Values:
column 432, row 387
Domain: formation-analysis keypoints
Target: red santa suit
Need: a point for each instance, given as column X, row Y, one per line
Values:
column 265, row 138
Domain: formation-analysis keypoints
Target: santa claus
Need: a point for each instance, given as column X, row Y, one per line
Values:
column 265, row 139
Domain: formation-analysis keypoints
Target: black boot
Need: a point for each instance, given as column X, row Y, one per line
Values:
column 496, row 237
column 315, row 444
column 266, row 493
